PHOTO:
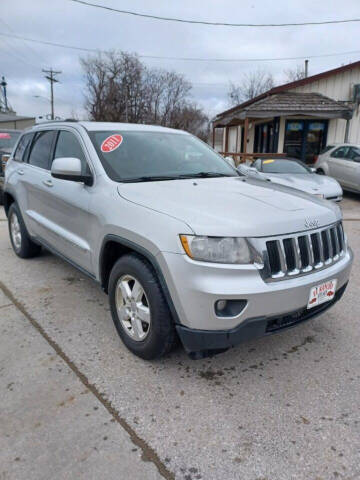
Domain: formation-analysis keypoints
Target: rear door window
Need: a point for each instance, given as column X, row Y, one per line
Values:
column 23, row 147
column 40, row 154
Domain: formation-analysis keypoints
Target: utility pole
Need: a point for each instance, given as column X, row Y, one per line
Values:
column 4, row 106
column 51, row 77
column 306, row 68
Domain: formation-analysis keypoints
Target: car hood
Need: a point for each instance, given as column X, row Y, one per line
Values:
column 307, row 182
column 235, row 206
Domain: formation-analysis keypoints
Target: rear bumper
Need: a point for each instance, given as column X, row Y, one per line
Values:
column 202, row 343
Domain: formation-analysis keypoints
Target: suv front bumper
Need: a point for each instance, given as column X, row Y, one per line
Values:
column 201, row 343
column 195, row 287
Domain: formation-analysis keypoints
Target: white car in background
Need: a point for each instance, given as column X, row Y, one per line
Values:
column 295, row 174
column 341, row 161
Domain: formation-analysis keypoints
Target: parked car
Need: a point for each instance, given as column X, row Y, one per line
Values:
column 295, row 174
column 181, row 242
column 342, row 162
column 8, row 138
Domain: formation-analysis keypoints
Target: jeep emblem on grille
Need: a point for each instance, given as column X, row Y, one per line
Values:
column 311, row 223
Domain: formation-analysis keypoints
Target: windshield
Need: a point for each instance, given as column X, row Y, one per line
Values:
column 284, row 166
column 142, row 156
column 8, row 139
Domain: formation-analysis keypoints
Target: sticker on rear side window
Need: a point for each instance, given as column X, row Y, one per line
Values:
column 111, row 143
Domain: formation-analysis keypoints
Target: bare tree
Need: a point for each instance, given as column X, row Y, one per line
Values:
column 251, row 85
column 293, row 74
column 120, row 88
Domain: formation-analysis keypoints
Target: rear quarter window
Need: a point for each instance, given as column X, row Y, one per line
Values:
column 326, row 149
column 23, row 147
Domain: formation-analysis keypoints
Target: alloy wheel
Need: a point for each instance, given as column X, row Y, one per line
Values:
column 133, row 308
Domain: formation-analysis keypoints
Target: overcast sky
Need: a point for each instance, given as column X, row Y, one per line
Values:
column 66, row 22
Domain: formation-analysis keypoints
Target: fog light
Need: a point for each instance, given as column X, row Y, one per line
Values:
column 221, row 305
column 229, row 308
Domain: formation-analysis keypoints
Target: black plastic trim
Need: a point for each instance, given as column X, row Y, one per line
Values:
column 152, row 260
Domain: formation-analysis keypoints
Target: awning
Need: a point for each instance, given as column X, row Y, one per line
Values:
column 288, row 104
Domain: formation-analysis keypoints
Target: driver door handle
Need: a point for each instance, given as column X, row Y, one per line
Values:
column 20, row 172
column 48, row 183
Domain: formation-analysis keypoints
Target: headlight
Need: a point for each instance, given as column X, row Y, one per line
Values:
column 319, row 195
column 218, row 249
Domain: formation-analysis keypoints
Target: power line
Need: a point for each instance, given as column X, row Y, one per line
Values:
column 216, row 24
column 191, row 59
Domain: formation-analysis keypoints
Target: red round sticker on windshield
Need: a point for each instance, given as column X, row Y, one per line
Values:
column 111, row 143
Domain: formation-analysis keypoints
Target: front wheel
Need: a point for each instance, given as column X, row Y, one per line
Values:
column 320, row 171
column 139, row 309
column 22, row 244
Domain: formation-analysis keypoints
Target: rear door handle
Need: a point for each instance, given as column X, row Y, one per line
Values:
column 48, row 183
column 20, row 172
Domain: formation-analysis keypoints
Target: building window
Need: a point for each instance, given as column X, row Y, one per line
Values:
column 304, row 139
column 218, row 140
column 266, row 137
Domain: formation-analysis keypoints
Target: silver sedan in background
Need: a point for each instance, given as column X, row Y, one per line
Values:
column 342, row 162
column 295, row 174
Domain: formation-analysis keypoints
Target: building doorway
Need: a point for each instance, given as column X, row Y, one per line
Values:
column 304, row 139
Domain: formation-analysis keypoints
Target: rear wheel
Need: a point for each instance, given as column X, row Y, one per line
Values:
column 22, row 244
column 138, row 307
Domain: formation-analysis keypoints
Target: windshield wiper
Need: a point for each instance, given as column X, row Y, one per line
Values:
column 148, row 179
column 205, row 175
column 175, row 177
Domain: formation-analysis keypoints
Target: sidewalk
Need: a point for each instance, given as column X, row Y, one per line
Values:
column 51, row 425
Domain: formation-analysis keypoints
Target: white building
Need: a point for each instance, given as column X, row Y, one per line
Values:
column 298, row 118
column 16, row 122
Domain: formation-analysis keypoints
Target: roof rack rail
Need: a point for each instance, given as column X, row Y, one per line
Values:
column 57, row 121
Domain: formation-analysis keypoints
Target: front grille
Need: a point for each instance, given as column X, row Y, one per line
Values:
column 300, row 254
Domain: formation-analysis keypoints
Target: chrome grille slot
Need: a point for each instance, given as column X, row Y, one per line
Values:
column 289, row 250
column 274, row 256
column 300, row 254
column 315, row 241
column 304, row 252
column 325, row 245
column 340, row 237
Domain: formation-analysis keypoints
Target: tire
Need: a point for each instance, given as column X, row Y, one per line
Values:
column 154, row 335
column 22, row 244
column 1, row 196
column 320, row 171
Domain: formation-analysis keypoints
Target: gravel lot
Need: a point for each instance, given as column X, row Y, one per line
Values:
column 76, row 404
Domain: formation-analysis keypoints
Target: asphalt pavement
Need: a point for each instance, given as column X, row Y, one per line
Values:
column 75, row 404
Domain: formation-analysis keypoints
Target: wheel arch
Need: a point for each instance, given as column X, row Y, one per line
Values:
column 113, row 247
column 8, row 201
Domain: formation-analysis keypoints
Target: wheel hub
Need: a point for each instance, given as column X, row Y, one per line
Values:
column 15, row 231
column 133, row 307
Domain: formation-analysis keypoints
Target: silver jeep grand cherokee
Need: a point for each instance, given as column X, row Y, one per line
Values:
column 183, row 244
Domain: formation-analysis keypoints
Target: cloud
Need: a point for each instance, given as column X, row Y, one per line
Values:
column 65, row 22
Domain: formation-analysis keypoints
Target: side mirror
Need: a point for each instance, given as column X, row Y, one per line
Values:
column 230, row 161
column 69, row 168
column 247, row 170
column 356, row 159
